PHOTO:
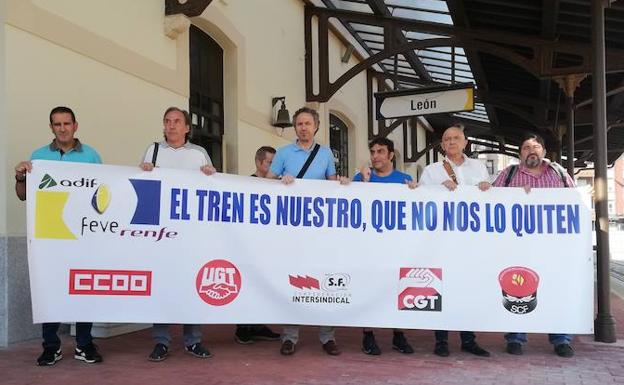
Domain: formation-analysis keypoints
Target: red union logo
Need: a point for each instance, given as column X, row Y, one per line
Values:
column 420, row 289
column 110, row 282
column 303, row 282
column 218, row 282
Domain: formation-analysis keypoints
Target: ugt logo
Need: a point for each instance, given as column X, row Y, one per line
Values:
column 218, row 282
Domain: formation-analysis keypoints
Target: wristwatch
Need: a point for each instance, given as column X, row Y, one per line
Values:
column 20, row 177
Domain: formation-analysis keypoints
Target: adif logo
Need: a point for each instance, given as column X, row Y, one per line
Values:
column 49, row 207
column 218, row 282
column 46, row 182
column 101, row 199
column 420, row 289
column 147, row 211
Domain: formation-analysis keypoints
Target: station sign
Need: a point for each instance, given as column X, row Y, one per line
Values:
column 425, row 101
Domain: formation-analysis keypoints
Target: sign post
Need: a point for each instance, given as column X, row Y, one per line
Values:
column 425, row 101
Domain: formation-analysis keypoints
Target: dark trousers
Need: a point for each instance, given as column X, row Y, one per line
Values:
column 467, row 338
column 49, row 332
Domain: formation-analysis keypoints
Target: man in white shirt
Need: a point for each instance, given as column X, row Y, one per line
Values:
column 455, row 169
column 176, row 152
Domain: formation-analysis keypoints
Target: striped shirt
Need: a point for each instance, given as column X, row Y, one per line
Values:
column 548, row 178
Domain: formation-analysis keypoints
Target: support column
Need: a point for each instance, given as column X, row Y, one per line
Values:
column 604, row 324
column 569, row 84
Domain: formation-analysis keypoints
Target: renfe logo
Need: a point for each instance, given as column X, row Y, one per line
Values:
column 420, row 289
column 218, row 282
column 110, row 282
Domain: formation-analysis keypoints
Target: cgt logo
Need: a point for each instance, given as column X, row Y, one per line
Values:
column 420, row 289
column 218, row 282
column 110, row 282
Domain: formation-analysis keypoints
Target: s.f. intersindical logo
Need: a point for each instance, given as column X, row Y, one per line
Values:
column 218, row 282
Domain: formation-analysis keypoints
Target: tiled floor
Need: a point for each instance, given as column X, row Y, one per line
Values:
column 125, row 362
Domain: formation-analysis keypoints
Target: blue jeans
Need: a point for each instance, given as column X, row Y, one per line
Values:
column 555, row 339
column 49, row 332
column 192, row 334
column 467, row 338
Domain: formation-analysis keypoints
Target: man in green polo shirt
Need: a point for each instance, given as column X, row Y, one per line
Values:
column 65, row 147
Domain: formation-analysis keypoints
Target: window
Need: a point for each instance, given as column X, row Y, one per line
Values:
column 490, row 166
column 339, row 144
column 206, row 102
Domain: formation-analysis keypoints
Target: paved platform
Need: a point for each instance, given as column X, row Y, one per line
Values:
column 125, row 362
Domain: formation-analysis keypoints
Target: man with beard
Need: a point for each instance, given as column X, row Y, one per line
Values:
column 535, row 171
column 455, row 169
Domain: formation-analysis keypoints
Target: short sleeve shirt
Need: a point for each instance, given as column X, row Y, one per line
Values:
column 290, row 159
column 81, row 153
column 395, row 177
column 471, row 172
column 189, row 156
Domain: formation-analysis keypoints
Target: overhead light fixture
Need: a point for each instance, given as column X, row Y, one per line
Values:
column 282, row 118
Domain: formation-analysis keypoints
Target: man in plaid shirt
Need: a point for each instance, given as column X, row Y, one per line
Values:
column 535, row 171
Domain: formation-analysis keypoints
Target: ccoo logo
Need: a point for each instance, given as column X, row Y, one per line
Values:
column 218, row 282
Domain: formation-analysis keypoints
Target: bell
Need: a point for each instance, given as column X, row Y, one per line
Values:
column 283, row 117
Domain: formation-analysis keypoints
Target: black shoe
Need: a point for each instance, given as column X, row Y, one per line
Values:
column 49, row 357
column 441, row 349
column 514, row 348
column 331, row 348
column 160, row 353
column 243, row 335
column 564, row 350
column 288, row 348
column 475, row 349
column 369, row 345
column 399, row 343
column 263, row 333
column 198, row 351
column 88, row 354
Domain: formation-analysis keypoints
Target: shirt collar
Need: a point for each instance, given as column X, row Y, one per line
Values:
column 545, row 164
column 453, row 163
column 164, row 144
column 77, row 146
column 296, row 144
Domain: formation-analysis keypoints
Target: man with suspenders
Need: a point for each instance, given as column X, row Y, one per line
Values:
column 456, row 169
column 535, row 172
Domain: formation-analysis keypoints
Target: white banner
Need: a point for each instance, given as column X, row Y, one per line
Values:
column 115, row 244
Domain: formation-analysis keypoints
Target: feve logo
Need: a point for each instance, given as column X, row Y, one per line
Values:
column 218, row 282
column 110, row 282
column 147, row 211
column 420, row 289
column 101, row 199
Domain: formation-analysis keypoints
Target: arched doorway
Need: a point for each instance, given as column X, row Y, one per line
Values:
column 206, row 94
